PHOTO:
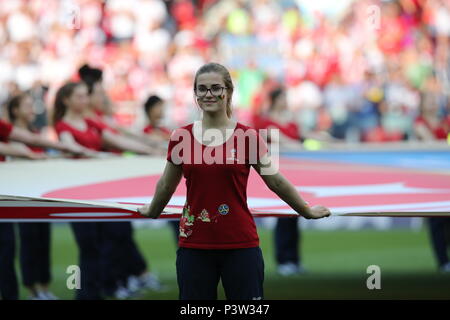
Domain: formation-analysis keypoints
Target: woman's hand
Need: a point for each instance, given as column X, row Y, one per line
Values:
column 318, row 212
column 145, row 211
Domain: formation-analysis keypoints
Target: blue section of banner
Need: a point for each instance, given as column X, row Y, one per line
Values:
column 432, row 160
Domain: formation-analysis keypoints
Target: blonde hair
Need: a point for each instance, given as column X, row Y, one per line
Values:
column 218, row 68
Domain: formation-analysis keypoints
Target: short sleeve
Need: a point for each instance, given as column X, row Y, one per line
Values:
column 97, row 125
column 256, row 146
column 263, row 149
column 5, row 130
column 177, row 144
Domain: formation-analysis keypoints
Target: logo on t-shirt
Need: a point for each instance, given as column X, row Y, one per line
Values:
column 204, row 216
column 224, row 209
column 233, row 155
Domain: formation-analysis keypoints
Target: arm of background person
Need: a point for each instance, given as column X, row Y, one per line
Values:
column 26, row 137
column 123, row 143
column 8, row 149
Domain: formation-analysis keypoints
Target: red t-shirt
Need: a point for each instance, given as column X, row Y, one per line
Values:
column 289, row 129
column 5, row 131
column 90, row 138
column 149, row 129
column 215, row 215
column 441, row 131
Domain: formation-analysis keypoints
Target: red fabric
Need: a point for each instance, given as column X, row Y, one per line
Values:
column 5, row 131
column 212, row 187
column 33, row 148
column 90, row 138
column 149, row 129
column 98, row 122
column 378, row 134
column 289, row 129
column 441, row 131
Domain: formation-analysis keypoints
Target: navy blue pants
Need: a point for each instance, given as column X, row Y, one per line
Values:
column 240, row 270
column 175, row 226
column 120, row 255
column 35, row 253
column 287, row 237
column 8, row 280
column 440, row 234
column 107, row 255
column 88, row 238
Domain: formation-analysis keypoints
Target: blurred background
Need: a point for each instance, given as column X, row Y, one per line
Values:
column 357, row 69
column 355, row 73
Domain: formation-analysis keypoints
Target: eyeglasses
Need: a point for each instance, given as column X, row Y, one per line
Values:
column 202, row 91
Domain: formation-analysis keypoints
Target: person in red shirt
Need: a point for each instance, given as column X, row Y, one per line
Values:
column 8, row 279
column 9, row 132
column 125, row 270
column 218, row 237
column 279, row 117
column 429, row 126
column 34, row 237
column 154, row 108
column 99, row 110
column 73, row 127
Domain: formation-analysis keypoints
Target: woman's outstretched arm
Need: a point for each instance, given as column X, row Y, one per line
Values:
column 165, row 188
column 287, row 192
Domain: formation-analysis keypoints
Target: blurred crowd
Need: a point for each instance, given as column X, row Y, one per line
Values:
column 361, row 71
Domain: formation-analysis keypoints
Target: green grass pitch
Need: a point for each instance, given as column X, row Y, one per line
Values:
column 336, row 262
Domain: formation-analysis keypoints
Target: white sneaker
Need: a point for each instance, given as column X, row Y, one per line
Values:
column 122, row 293
column 133, row 284
column 290, row 269
column 150, row 281
column 47, row 295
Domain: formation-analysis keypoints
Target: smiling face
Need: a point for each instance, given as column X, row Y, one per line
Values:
column 215, row 101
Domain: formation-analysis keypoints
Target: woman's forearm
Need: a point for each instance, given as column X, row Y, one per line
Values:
column 289, row 194
column 160, row 200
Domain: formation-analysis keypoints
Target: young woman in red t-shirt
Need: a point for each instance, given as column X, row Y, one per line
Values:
column 72, row 125
column 429, row 125
column 218, row 238
column 34, row 237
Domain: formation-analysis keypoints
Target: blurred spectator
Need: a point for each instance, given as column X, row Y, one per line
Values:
column 34, row 237
column 149, row 46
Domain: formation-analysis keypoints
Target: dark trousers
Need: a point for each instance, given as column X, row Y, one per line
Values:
column 120, row 255
column 199, row 272
column 287, row 237
column 8, row 280
column 88, row 238
column 175, row 226
column 439, row 235
column 35, row 253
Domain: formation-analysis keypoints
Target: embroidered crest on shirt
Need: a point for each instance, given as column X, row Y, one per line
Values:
column 223, row 209
column 204, row 216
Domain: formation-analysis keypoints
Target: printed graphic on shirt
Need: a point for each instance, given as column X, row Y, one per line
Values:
column 232, row 157
column 186, row 222
column 223, row 209
column 204, row 216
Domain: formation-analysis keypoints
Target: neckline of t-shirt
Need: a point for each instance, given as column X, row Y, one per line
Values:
column 85, row 121
column 196, row 133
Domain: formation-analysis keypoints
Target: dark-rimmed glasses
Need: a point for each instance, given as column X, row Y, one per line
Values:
column 202, row 91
